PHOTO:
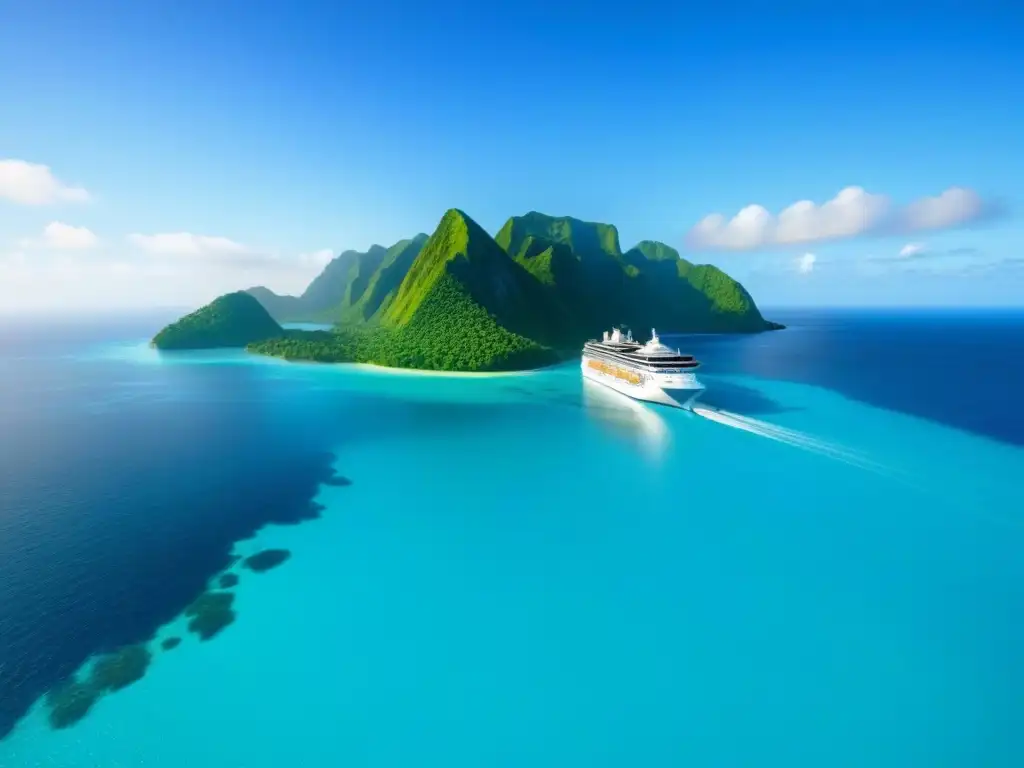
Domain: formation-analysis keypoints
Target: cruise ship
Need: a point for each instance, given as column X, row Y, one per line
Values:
column 651, row 371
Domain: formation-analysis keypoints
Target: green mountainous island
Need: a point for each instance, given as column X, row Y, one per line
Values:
column 461, row 300
column 231, row 320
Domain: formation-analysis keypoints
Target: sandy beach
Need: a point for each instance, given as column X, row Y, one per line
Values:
column 370, row 367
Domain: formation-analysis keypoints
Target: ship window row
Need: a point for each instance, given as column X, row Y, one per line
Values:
column 633, row 352
column 653, row 365
column 660, row 358
column 643, row 359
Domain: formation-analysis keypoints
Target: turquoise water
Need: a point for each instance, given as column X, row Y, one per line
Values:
column 566, row 577
column 309, row 326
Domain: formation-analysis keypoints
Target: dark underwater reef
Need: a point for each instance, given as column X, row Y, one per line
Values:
column 169, row 583
column 210, row 613
column 267, row 559
column 338, row 481
column 72, row 701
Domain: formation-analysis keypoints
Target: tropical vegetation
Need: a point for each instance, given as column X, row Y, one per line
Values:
column 232, row 320
column 461, row 300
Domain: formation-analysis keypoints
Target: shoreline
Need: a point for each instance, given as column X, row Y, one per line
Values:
column 374, row 368
column 212, row 352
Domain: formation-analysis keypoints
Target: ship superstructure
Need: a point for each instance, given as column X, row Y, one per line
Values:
column 652, row 371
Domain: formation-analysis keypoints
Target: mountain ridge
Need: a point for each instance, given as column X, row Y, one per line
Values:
column 580, row 263
column 460, row 299
column 350, row 283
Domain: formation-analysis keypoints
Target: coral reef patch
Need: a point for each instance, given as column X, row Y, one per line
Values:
column 127, row 600
column 70, row 703
column 312, row 511
column 267, row 559
column 228, row 580
column 120, row 669
column 170, row 643
column 210, row 613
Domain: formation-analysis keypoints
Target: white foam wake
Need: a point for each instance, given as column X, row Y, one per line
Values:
column 790, row 437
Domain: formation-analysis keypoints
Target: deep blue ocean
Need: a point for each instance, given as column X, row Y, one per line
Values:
column 522, row 570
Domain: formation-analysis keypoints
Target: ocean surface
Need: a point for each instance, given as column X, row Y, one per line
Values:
column 521, row 570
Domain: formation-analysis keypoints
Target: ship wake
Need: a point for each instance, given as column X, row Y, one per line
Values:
column 791, row 437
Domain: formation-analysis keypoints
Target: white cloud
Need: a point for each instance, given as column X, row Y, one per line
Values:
column 171, row 269
column 317, row 258
column 749, row 228
column 223, row 251
column 850, row 213
column 952, row 208
column 52, row 280
column 911, row 249
column 187, row 244
column 58, row 236
column 805, row 263
column 34, row 184
column 13, row 258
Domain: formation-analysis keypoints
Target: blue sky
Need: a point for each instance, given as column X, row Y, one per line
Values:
column 219, row 144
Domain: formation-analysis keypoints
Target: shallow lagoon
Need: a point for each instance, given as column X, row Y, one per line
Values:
column 527, row 571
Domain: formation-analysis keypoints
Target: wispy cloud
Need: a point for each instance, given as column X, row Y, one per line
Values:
column 188, row 244
column 58, row 236
column 67, row 265
column 33, row 184
column 918, row 258
column 153, row 271
column 215, row 249
column 922, row 252
column 1010, row 266
column 953, row 208
column 318, row 258
column 853, row 212
column 805, row 263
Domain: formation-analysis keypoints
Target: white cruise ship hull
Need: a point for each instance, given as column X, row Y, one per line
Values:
column 675, row 390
